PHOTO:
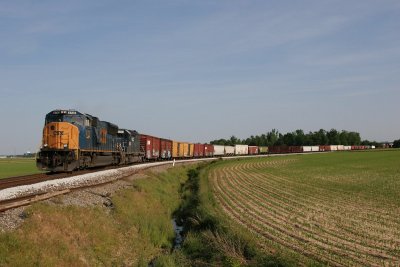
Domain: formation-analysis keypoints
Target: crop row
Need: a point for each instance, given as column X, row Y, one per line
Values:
column 306, row 219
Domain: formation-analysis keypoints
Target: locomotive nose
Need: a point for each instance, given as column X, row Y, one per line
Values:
column 60, row 135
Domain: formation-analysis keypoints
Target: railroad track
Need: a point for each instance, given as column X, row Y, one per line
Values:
column 41, row 177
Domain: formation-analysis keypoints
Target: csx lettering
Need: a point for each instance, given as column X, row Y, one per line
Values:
column 58, row 133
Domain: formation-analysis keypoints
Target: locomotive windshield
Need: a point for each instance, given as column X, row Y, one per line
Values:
column 74, row 119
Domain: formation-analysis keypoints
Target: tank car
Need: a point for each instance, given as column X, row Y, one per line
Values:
column 74, row 140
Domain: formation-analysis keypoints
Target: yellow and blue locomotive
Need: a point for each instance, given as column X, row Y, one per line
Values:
column 73, row 140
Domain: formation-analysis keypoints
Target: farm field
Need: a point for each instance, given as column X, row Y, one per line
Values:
column 17, row 166
column 340, row 209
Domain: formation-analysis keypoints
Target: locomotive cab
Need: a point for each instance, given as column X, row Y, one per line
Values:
column 60, row 142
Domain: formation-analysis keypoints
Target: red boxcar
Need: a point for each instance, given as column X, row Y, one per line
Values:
column 165, row 149
column 253, row 150
column 198, row 150
column 324, row 148
column 208, row 150
column 150, row 145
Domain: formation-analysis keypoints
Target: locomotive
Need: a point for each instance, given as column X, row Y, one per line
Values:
column 74, row 140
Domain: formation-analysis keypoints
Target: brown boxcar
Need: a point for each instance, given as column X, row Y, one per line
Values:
column 150, row 145
column 253, row 150
column 295, row 149
column 208, row 150
column 278, row 149
column 165, row 149
column 198, row 150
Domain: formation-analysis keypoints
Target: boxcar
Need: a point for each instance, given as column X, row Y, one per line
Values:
column 219, row 150
column 198, row 150
column 241, row 149
column 253, row 150
column 150, row 145
column 263, row 149
column 229, row 150
column 165, row 149
column 191, row 150
column 208, row 150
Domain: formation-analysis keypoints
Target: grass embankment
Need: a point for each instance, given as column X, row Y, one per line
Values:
column 337, row 208
column 137, row 230
column 17, row 166
column 211, row 239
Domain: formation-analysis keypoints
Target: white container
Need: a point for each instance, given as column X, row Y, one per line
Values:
column 347, row 147
column 315, row 148
column 307, row 148
column 334, row 148
column 340, row 147
column 230, row 150
column 241, row 149
column 372, row 147
column 219, row 150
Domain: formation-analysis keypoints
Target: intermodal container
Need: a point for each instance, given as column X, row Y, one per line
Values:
column 334, row 147
column 340, row 147
column 229, row 150
column 263, row 149
column 165, row 149
column 241, row 149
column 208, row 150
column 253, row 150
column 307, row 148
column 219, row 150
column 198, row 150
column 347, row 147
column 150, row 145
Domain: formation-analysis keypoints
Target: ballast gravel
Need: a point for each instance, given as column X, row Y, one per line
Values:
column 108, row 182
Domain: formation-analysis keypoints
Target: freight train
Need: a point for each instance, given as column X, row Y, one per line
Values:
column 73, row 140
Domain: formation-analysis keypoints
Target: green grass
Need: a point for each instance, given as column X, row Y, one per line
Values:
column 136, row 231
column 370, row 175
column 343, row 196
column 17, row 166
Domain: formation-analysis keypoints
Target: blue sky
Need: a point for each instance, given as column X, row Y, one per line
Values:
column 201, row 70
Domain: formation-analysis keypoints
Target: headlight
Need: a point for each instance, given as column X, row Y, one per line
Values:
column 65, row 145
column 45, row 145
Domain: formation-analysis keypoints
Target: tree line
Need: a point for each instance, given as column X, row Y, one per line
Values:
column 299, row 138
